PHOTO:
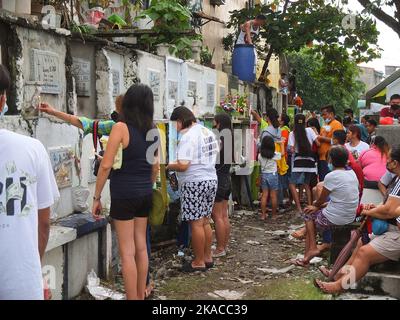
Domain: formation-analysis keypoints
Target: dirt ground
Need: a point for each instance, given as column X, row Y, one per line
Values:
column 254, row 245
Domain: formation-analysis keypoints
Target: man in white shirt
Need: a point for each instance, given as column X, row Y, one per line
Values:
column 27, row 190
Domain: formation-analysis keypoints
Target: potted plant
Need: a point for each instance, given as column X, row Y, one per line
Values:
column 206, row 57
column 171, row 27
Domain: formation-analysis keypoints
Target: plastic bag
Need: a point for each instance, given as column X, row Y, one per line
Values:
column 80, row 197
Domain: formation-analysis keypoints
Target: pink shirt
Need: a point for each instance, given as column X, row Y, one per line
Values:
column 373, row 164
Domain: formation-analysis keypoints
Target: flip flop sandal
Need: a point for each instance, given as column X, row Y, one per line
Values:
column 219, row 254
column 209, row 265
column 324, row 271
column 297, row 236
column 301, row 263
column 150, row 296
column 317, row 285
column 187, row 267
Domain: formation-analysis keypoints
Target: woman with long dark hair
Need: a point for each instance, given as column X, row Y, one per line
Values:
column 373, row 161
column 273, row 128
column 313, row 123
column 223, row 123
column 303, row 166
column 131, row 186
column 196, row 158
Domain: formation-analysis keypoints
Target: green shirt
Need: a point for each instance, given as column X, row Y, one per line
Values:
column 105, row 126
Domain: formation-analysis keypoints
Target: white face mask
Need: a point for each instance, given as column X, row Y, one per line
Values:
column 4, row 111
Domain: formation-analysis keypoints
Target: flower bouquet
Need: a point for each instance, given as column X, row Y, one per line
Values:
column 234, row 105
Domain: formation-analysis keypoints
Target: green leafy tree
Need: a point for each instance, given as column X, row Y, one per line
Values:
column 378, row 9
column 317, row 86
column 313, row 23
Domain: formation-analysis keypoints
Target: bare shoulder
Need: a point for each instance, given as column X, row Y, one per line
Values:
column 119, row 127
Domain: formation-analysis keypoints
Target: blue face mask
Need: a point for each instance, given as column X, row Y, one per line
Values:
column 330, row 167
column 327, row 121
column 4, row 111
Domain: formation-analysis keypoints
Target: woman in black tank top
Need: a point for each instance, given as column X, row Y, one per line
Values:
column 131, row 185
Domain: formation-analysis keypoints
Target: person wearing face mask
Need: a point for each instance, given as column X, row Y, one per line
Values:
column 393, row 111
column 325, row 138
column 381, row 248
column 335, row 206
column 25, row 167
column 195, row 165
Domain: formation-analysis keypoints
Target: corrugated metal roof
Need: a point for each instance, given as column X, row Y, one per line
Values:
column 379, row 87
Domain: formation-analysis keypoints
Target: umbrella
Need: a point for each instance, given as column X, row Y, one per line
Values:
column 346, row 251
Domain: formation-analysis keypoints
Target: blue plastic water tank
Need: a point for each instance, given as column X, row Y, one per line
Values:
column 244, row 62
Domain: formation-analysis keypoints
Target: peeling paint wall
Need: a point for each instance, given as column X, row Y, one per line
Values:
column 104, row 85
column 86, row 104
column 43, row 41
column 151, row 68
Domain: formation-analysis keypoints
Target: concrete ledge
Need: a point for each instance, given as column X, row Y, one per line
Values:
column 60, row 236
column 380, row 284
column 391, row 267
column 84, row 223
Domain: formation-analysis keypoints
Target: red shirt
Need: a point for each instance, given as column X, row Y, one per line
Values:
column 385, row 112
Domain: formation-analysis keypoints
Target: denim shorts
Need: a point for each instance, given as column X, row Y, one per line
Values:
column 300, row 177
column 270, row 181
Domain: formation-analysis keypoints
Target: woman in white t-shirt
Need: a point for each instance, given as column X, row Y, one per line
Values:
column 355, row 145
column 300, row 145
column 196, row 157
column 336, row 206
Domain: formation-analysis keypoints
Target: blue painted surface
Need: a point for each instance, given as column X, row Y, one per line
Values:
column 84, row 223
column 244, row 62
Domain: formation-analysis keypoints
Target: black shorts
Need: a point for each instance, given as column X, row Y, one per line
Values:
column 224, row 188
column 128, row 209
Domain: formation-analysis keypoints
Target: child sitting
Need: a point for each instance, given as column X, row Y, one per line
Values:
column 269, row 175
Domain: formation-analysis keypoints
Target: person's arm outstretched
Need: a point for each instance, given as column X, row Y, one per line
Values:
column 69, row 118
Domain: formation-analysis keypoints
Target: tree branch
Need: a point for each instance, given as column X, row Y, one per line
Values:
column 397, row 12
column 381, row 15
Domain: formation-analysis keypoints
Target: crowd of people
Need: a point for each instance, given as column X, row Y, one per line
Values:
column 330, row 164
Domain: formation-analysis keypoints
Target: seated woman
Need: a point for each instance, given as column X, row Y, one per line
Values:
column 341, row 186
column 381, row 248
column 355, row 145
column 373, row 161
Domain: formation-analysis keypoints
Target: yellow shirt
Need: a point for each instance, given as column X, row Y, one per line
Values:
column 263, row 125
column 327, row 132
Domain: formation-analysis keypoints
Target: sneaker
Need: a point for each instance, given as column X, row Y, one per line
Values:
column 219, row 255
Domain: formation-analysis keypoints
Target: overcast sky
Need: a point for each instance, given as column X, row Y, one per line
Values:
column 389, row 41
